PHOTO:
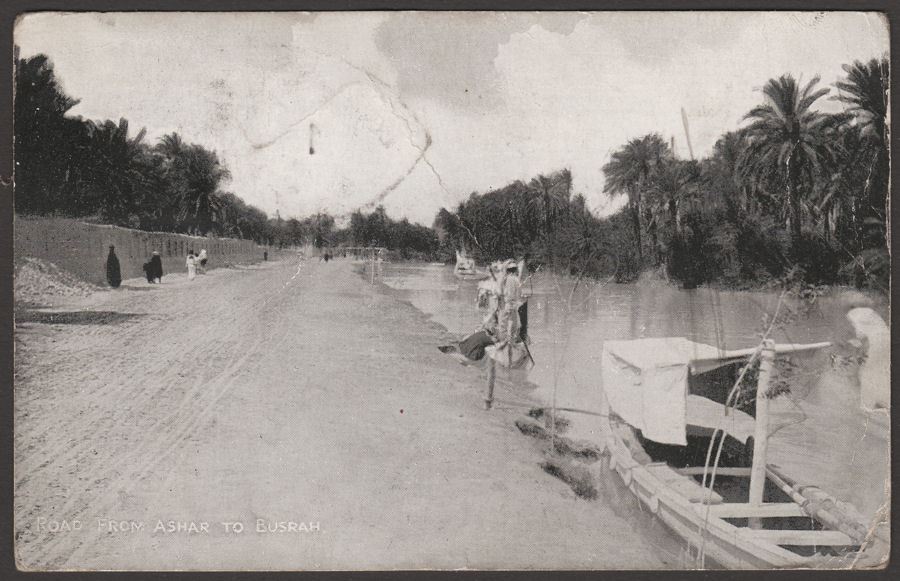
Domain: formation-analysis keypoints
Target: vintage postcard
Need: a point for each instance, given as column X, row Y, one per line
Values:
column 451, row 290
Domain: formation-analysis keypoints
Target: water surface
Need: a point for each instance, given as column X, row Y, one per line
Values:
column 826, row 439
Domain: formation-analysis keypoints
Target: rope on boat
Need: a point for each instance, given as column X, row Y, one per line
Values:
column 731, row 400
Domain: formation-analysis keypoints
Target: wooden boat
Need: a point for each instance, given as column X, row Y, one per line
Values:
column 753, row 515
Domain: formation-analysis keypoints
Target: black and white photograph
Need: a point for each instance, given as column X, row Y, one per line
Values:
column 448, row 290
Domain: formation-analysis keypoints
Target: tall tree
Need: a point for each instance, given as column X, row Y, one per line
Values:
column 720, row 173
column 194, row 175
column 121, row 174
column 552, row 199
column 670, row 184
column 45, row 139
column 865, row 90
column 789, row 143
column 628, row 172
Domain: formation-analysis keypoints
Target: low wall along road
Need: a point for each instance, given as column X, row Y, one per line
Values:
column 81, row 248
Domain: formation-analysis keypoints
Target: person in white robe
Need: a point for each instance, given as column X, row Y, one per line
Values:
column 191, row 264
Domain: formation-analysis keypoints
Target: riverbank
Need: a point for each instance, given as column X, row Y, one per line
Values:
column 284, row 392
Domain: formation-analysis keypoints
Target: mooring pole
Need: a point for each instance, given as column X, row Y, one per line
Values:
column 761, row 434
column 373, row 267
column 492, row 375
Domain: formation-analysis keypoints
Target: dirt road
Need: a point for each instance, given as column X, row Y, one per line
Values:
column 296, row 400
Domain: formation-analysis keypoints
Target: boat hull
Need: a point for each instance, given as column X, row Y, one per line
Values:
column 722, row 544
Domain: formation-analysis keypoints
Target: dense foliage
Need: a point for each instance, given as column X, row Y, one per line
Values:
column 100, row 171
column 378, row 229
column 542, row 221
column 793, row 193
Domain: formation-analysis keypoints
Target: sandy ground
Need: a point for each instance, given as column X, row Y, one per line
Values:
column 289, row 392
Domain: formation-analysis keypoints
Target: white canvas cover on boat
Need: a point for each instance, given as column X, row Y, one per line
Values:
column 646, row 383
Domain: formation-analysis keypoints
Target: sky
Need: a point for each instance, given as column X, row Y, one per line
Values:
column 416, row 111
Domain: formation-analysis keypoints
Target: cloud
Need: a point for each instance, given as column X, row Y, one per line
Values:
column 449, row 57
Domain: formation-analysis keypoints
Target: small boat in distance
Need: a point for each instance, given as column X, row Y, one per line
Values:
column 465, row 267
column 664, row 401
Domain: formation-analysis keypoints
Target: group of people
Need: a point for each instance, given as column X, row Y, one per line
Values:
column 505, row 323
column 153, row 268
column 196, row 263
column 502, row 294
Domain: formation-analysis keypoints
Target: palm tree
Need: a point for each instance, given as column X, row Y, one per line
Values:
column 669, row 185
column 120, row 173
column 789, row 144
column 170, row 146
column 726, row 188
column 865, row 90
column 628, row 172
column 553, row 197
column 552, row 200
column 194, row 175
column 46, row 141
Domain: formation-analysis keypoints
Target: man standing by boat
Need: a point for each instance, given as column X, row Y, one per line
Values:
column 510, row 297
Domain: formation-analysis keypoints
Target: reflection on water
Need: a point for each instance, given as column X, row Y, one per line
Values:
column 825, row 440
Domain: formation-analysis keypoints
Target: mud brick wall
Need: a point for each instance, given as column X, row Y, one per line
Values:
column 82, row 248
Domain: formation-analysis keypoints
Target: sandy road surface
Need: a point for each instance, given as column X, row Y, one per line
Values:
column 291, row 392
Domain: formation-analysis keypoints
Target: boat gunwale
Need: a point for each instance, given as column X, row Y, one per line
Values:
column 699, row 514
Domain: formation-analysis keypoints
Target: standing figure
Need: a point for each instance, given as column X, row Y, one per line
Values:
column 191, row 264
column 510, row 297
column 148, row 273
column 202, row 258
column 113, row 271
column 156, row 271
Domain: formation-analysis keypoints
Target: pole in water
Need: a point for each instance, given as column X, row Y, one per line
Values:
column 373, row 267
column 492, row 375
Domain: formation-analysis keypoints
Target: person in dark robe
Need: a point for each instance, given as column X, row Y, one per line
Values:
column 113, row 271
column 156, row 270
column 148, row 272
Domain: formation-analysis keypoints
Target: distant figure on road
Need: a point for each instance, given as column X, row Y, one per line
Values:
column 191, row 264
column 113, row 271
column 154, row 270
column 265, row 255
column 203, row 259
column 147, row 272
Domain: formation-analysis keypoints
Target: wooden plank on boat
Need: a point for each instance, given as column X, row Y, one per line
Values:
column 721, row 471
column 798, row 538
column 683, row 485
column 766, row 510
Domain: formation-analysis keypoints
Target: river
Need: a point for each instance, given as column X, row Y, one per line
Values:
column 827, row 440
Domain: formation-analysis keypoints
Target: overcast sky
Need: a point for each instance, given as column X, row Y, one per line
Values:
column 417, row 110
